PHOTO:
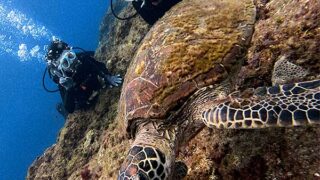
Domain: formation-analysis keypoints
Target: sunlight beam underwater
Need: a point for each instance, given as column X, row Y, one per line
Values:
column 19, row 32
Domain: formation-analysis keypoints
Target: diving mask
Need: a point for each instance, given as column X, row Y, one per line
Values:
column 66, row 59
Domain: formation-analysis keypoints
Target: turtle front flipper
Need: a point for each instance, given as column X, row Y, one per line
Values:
column 281, row 105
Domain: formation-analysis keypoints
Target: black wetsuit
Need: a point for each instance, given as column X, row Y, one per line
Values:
column 151, row 13
column 86, row 80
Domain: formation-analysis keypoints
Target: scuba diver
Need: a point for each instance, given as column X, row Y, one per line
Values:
column 149, row 10
column 78, row 75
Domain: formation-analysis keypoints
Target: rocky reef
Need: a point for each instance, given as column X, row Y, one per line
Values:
column 92, row 145
column 85, row 132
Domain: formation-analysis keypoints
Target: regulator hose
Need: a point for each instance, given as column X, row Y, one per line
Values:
column 121, row 18
column 43, row 84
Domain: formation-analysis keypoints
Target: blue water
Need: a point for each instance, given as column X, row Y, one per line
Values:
column 29, row 122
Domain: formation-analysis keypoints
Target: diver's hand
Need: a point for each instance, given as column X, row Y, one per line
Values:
column 113, row 80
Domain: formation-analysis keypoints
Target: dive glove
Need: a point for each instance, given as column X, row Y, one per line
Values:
column 113, row 80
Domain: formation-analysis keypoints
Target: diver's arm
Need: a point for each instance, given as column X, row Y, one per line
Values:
column 99, row 68
column 109, row 79
column 92, row 65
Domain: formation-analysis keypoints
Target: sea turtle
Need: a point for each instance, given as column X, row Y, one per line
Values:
column 181, row 80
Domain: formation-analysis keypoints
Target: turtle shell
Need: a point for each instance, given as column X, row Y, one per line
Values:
column 197, row 43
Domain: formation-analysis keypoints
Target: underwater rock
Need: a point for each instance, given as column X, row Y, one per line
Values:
column 84, row 131
column 92, row 145
column 285, row 28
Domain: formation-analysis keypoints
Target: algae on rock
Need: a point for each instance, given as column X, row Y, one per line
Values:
column 84, row 132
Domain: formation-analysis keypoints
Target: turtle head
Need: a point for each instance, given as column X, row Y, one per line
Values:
column 144, row 162
column 151, row 156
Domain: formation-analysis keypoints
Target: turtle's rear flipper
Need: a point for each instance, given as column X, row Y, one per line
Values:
column 281, row 105
column 180, row 170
